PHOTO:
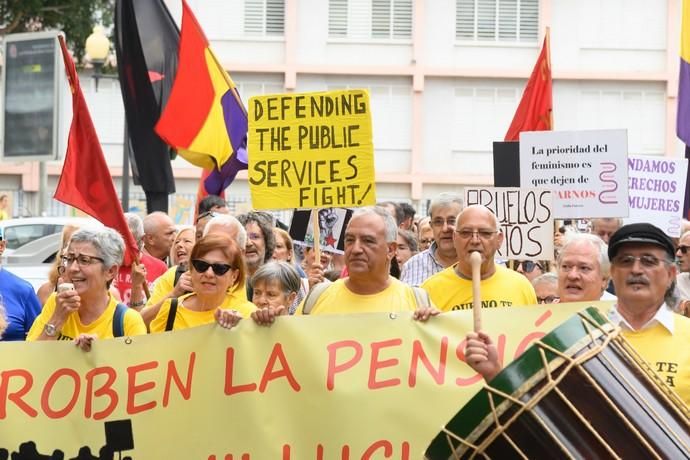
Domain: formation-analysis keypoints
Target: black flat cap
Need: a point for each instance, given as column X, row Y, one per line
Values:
column 642, row 233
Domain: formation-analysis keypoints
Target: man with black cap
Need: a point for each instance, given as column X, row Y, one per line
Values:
column 644, row 273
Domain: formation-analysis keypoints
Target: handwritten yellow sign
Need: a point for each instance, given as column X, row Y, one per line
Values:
column 345, row 387
column 311, row 150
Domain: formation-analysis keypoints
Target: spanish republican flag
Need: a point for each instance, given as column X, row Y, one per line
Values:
column 85, row 182
column 535, row 112
column 204, row 118
column 683, row 119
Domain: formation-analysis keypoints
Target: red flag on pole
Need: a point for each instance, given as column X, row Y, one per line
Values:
column 85, row 182
column 535, row 112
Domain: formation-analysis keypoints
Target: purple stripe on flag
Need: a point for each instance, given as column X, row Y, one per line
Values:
column 235, row 118
column 218, row 181
column 683, row 119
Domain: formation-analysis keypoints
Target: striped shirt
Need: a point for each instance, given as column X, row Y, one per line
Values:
column 421, row 266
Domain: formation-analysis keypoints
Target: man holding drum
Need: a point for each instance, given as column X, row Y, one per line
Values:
column 643, row 273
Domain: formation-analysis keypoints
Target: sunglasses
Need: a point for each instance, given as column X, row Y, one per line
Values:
column 528, row 266
column 683, row 249
column 219, row 269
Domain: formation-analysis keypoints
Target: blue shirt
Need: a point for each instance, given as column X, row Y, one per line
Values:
column 21, row 305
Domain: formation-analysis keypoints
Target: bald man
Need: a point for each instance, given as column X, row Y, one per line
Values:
column 476, row 230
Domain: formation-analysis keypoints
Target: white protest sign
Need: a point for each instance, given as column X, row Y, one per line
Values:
column 586, row 170
column 524, row 217
column 656, row 190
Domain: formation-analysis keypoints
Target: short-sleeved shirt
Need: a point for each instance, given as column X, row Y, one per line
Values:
column 186, row 318
column 504, row 288
column 20, row 303
column 338, row 299
column 155, row 268
column 165, row 284
column 102, row 327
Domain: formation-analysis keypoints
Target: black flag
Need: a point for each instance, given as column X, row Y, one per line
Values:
column 146, row 43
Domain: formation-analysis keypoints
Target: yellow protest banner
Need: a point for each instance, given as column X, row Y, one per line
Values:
column 331, row 387
column 311, row 150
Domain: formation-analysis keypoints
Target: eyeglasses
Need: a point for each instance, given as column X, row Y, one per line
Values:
column 255, row 236
column 628, row 260
column 439, row 221
column 466, row 234
column 219, row 269
column 548, row 299
column 683, row 249
column 82, row 260
column 426, row 241
column 528, row 266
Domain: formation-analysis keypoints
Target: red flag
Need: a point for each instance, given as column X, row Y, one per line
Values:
column 85, row 182
column 535, row 112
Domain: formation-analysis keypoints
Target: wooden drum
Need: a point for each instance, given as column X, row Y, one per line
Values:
column 580, row 392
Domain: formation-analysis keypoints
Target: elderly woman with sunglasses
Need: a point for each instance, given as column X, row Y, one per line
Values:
column 216, row 270
column 84, row 309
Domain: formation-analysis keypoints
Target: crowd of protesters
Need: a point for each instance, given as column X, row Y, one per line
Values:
column 227, row 268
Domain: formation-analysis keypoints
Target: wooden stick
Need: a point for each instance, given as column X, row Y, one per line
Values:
column 476, row 261
column 146, row 283
column 316, row 233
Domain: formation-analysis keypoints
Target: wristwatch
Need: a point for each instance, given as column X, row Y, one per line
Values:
column 50, row 330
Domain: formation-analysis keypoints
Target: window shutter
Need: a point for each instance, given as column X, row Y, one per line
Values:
column 486, row 20
column 529, row 20
column 254, row 17
column 464, row 19
column 402, row 19
column 381, row 18
column 337, row 18
column 497, row 20
column 275, row 18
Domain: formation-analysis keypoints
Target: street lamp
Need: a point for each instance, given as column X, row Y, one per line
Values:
column 97, row 47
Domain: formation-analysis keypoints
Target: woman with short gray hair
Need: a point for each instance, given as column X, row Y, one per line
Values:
column 83, row 308
column 276, row 286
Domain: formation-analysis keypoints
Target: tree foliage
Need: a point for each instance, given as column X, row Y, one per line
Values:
column 75, row 18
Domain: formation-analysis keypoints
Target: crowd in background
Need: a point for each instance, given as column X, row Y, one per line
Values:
column 225, row 268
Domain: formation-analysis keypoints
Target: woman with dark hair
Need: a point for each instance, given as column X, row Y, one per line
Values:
column 216, row 269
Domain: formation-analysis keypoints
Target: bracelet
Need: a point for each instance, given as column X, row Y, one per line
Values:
column 141, row 303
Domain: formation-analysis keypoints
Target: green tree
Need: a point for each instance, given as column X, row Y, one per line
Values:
column 75, row 18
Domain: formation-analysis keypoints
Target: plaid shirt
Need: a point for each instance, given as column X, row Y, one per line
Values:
column 421, row 266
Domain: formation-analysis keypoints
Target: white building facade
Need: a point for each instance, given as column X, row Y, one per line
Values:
column 445, row 78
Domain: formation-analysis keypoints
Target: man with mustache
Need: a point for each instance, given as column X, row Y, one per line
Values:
column 643, row 272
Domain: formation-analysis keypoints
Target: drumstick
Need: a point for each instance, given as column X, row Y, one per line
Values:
column 476, row 261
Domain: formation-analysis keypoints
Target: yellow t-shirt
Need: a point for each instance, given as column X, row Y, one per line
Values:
column 502, row 289
column 338, row 299
column 165, row 283
column 669, row 354
column 101, row 327
column 185, row 318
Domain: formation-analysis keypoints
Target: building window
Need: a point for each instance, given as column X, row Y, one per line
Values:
column 370, row 19
column 497, row 20
column 482, row 115
column 264, row 18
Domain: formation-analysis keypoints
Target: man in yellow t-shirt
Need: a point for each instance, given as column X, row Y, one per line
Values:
column 643, row 273
column 451, row 289
column 370, row 244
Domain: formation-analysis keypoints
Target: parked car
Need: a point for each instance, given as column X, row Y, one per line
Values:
column 18, row 232
column 32, row 245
